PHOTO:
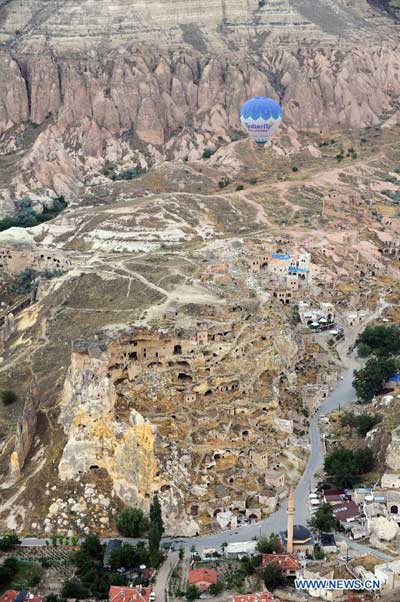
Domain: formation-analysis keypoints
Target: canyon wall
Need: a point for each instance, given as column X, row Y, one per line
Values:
column 81, row 113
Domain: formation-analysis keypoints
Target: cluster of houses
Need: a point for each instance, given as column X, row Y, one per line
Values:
column 202, row 578
column 357, row 510
column 282, row 272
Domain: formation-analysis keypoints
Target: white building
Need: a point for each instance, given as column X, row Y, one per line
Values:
column 388, row 574
column 241, row 549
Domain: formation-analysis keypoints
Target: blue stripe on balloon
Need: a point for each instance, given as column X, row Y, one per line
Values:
column 261, row 107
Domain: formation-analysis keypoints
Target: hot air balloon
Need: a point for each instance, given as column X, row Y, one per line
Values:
column 261, row 117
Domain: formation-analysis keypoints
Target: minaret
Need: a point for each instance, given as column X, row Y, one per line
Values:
column 290, row 521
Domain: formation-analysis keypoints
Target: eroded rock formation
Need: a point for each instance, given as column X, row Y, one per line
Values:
column 98, row 438
column 93, row 94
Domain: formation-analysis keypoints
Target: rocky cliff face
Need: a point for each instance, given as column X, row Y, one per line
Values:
column 158, row 106
column 97, row 438
column 79, row 90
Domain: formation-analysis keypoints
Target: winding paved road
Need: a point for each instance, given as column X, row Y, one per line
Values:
column 343, row 395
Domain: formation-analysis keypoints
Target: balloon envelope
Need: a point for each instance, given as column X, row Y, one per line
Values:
column 261, row 117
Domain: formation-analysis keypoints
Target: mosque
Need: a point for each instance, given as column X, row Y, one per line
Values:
column 297, row 538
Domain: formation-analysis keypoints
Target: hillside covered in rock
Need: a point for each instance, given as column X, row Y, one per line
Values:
column 176, row 304
column 89, row 94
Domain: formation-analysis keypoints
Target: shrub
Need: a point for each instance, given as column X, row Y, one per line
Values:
column 391, row 179
column 365, row 422
column 348, row 419
column 128, row 174
column 25, row 281
column 8, row 397
column 239, row 187
column 223, row 183
column 216, row 588
column 207, row 153
column 192, row 592
column 295, row 168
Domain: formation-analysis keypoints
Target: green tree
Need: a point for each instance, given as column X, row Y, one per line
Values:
column 268, row 545
column 8, row 397
column 8, row 542
column 323, row 520
column 368, row 381
column 181, row 553
column 73, row 588
column 156, row 529
column 273, row 577
column 91, row 546
column 129, row 556
column 344, row 467
column 251, row 565
column 11, row 564
column 363, row 461
column 192, row 592
column 380, row 340
column 365, row 422
column 131, row 522
column 224, row 182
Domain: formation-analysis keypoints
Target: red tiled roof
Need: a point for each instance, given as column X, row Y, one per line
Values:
column 258, row 597
column 205, row 576
column 286, row 562
column 119, row 593
column 9, row 595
